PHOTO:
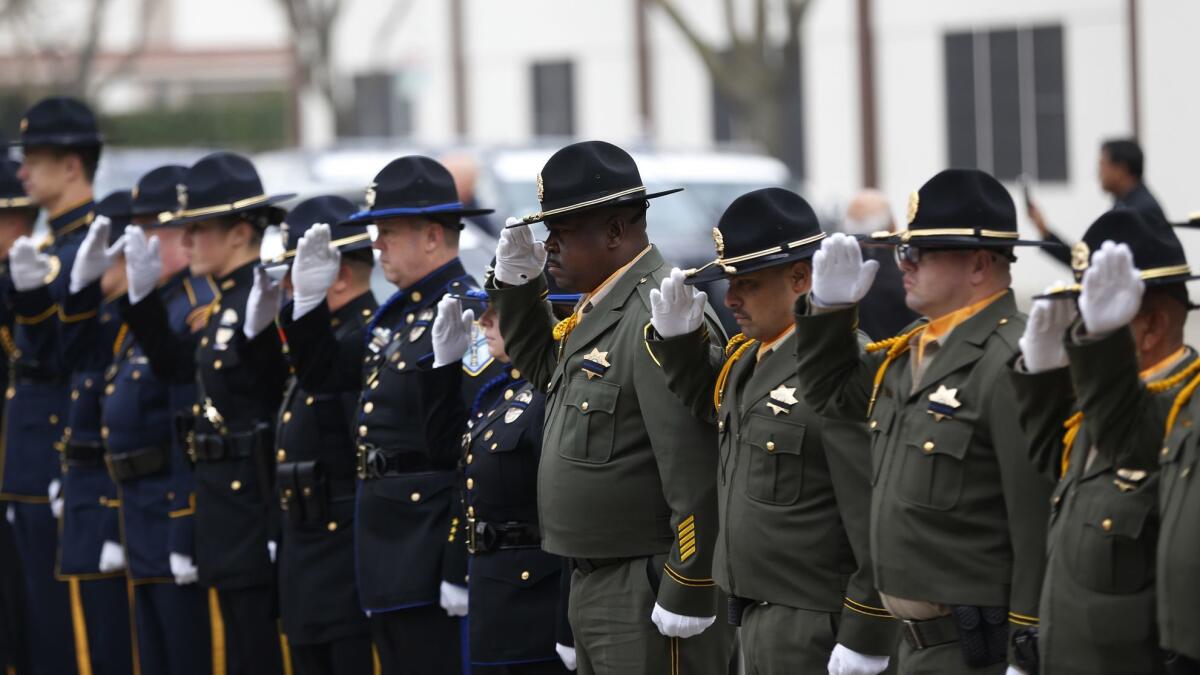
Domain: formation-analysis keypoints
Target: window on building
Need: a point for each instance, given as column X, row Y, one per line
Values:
column 382, row 107
column 1006, row 102
column 554, row 98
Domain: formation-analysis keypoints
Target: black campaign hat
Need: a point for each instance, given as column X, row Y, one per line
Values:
column 413, row 186
column 223, row 184
column 589, row 175
column 763, row 228
column 116, row 207
column 331, row 210
column 12, row 193
column 960, row 208
column 59, row 121
column 157, row 193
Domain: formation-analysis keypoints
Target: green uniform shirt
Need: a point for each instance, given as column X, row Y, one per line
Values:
column 793, row 488
column 958, row 513
column 625, row 470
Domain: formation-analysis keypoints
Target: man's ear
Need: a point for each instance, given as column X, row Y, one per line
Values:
column 617, row 226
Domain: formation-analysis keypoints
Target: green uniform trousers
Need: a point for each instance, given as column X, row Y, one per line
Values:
column 940, row 660
column 779, row 640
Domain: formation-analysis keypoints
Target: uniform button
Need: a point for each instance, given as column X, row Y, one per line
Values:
column 1187, row 470
column 1003, row 321
column 495, row 445
column 928, row 447
column 487, row 436
column 362, row 430
column 368, row 407
column 416, row 496
column 416, row 296
column 1106, row 524
column 170, row 495
column 525, row 576
column 410, row 318
column 74, row 394
column 103, row 432
column 307, row 491
column 204, row 341
column 471, row 511
column 366, row 312
column 110, row 389
column 54, row 419
column 88, row 383
column 721, row 425
column 470, row 483
column 401, row 365
column 10, row 392
column 196, row 409
column 308, row 401
column 375, row 385
column 395, row 357
column 770, row 446
column 874, row 424
column 103, row 500
column 583, row 406
column 281, row 455
column 287, row 416
column 1056, row 500
column 235, row 485
column 332, row 526
column 470, row 458
column 217, row 364
column 137, row 375
column 508, row 394
column 516, row 374
column 1166, row 451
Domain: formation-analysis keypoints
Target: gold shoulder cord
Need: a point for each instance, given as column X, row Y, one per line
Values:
column 895, row 346
column 734, row 349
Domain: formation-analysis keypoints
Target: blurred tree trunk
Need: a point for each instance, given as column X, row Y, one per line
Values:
column 758, row 76
column 312, row 24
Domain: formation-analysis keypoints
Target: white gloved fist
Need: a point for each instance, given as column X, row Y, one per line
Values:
column 840, row 276
column 519, row 257
column 1042, row 345
column 272, row 549
column 263, row 303
column 451, row 331
column 183, row 569
column 1112, row 289
column 54, row 492
column 314, row 270
column 95, row 256
column 28, row 266
column 10, row 514
column 567, row 656
column 112, row 557
column 454, row 599
column 143, row 267
column 1013, row 670
column 846, row 661
column 671, row 624
column 676, row 308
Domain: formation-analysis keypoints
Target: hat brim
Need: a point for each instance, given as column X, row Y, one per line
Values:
column 717, row 270
column 375, row 215
column 59, row 141
column 352, row 243
column 591, row 205
column 276, row 214
column 952, row 241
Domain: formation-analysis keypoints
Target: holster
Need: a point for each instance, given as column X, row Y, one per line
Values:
column 983, row 634
column 736, row 608
column 1025, row 649
column 136, row 464
column 303, row 493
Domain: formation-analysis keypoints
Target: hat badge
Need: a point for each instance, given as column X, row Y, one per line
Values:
column 370, row 196
column 1080, row 255
column 24, row 124
column 914, row 202
column 134, row 192
column 719, row 242
column 541, row 188
column 181, row 196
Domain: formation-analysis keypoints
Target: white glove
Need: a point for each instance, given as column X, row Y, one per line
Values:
column 1112, row 289
column 54, row 491
column 519, row 257
column 1042, row 342
column 183, row 569
column 671, row 624
column 143, row 267
column 567, row 655
column 272, row 548
column 29, row 268
column 95, row 255
column 10, row 514
column 676, row 309
column 451, row 331
column 1013, row 670
column 846, row 661
column 112, row 557
column 454, row 599
column 840, row 276
column 262, row 305
column 314, row 270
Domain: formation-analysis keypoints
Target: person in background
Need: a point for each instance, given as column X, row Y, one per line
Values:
column 881, row 312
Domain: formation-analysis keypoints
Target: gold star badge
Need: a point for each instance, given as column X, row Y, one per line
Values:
column 369, row 197
column 783, row 398
column 600, row 361
column 914, row 203
column 942, row 403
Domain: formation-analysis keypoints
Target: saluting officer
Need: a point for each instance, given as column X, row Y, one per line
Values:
column 407, row 501
column 627, row 486
column 1098, row 606
column 794, row 489
column 326, row 629
column 958, row 512
column 517, row 619
column 61, row 152
column 238, row 389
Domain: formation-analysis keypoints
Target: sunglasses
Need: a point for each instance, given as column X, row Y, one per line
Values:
column 907, row 253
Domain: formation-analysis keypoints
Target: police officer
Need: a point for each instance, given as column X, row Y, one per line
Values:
column 627, row 489
column 326, row 629
column 515, row 587
column 958, row 512
column 61, row 152
column 407, row 500
column 794, row 488
column 1098, row 606
column 143, row 454
column 222, row 205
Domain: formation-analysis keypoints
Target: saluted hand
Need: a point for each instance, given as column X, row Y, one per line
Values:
column 95, row 256
column 1112, row 289
column 143, row 267
column 263, row 303
column 1042, row 342
column 676, row 308
column 519, row 257
column 840, row 276
column 29, row 267
column 846, row 661
column 451, row 331
column 671, row 624
column 314, row 270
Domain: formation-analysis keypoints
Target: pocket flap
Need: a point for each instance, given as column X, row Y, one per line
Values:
column 414, row 489
column 593, row 397
column 774, row 434
column 523, row 569
column 947, row 437
column 1121, row 517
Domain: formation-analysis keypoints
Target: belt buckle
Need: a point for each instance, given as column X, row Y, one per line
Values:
column 360, row 462
column 914, row 634
column 371, row 462
column 471, row 536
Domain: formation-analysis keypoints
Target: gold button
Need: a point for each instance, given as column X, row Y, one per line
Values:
column 195, row 409
column 874, row 424
column 470, row 483
column 495, row 445
column 1003, row 321
column 416, row 496
column 103, row 500
column 1106, row 524
column 137, row 375
column 374, row 385
column 416, row 296
column 721, row 425
column 235, row 485
column 402, row 365
column 287, row 493
column 1057, row 499
column 366, row 312
column 928, row 447
column 54, row 419
column 770, row 446
column 1166, row 451
column 110, row 389
column 362, row 430
column 307, row 491
column 508, row 394
column 410, row 318
column 103, row 432
column 308, row 401
column 204, row 341
column 471, row 511
column 487, row 436
column 395, row 357
column 470, row 458
column 217, row 364
column 1187, row 470
column 368, row 407
column 281, row 455
column 87, row 383
column 584, row 406
column 75, row 395
column 525, row 576
column 170, row 495
column 332, row 526
column 10, row 392
column 516, row 374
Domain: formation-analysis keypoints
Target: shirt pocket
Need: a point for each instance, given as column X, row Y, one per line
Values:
column 589, row 421
column 931, row 464
column 775, row 459
column 1114, row 550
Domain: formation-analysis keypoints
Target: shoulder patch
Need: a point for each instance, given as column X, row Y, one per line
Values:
column 477, row 358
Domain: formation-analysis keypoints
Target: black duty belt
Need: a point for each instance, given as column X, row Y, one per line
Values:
column 376, row 462
column 589, row 565
column 925, row 634
column 216, row 448
column 136, row 464
column 32, row 373
column 83, row 454
column 486, row 537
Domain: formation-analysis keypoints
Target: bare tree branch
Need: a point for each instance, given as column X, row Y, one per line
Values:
column 145, row 19
column 731, row 25
column 712, row 59
column 760, row 26
column 85, row 60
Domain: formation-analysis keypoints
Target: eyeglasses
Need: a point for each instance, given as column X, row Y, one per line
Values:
column 907, row 253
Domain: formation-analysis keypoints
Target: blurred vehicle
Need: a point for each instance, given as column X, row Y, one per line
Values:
column 120, row 168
